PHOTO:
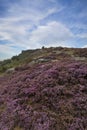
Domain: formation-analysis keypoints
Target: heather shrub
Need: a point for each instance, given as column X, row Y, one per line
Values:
column 50, row 96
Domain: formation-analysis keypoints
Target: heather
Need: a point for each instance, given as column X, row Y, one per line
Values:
column 43, row 55
column 45, row 96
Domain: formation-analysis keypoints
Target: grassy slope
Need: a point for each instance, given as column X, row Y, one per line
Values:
column 52, row 53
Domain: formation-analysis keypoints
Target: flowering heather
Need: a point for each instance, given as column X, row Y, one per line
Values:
column 45, row 96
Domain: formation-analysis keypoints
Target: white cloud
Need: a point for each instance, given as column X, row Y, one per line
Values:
column 53, row 33
column 84, row 35
column 21, row 19
column 85, row 46
column 78, row 26
column 6, row 51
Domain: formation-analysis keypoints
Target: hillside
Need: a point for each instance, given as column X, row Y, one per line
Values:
column 44, row 55
column 46, row 91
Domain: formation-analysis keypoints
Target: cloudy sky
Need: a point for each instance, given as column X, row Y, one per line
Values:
column 30, row 24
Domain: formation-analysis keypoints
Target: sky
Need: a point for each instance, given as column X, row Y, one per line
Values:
column 31, row 24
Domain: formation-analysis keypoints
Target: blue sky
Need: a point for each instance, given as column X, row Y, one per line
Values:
column 30, row 24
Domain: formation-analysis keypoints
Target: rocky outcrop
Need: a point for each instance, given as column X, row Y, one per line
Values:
column 10, row 70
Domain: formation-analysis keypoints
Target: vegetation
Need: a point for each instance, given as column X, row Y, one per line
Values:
column 52, row 53
column 46, row 94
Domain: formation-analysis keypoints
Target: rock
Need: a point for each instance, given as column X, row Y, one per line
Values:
column 10, row 70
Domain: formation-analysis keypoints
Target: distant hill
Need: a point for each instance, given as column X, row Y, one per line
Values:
column 44, row 55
